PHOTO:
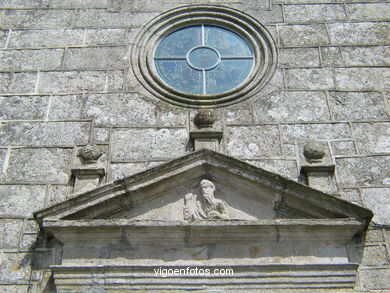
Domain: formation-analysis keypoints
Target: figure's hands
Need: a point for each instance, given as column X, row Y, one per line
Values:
column 216, row 215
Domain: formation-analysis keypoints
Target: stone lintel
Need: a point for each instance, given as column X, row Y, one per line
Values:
column 206, row 139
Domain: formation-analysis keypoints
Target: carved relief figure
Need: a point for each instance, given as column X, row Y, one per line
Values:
column 204, row 206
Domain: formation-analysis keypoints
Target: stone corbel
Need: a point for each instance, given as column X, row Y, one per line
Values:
column 206, row 134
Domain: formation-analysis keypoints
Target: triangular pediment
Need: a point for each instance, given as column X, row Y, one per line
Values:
column 172, row 192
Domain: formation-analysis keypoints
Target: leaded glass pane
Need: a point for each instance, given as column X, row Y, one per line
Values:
column 178, row 43
column 226, row 42
column 227, row 75
column 180, row 76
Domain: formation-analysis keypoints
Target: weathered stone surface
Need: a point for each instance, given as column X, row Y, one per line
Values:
column 3, row 38
column 378, row 278
column 46, row 38
column 122, row 170
column 366, row 56
column 302, row 57
column 274, row 15
column 105, row 36
column 352, row 195
column 19, row 60
column 357, row 105
column 101, row 134
column 363, row 171
column 315, row 131
column 331, row 56
column 65, row 107
column 354, row 79
column 115, row 80
column 44, row 134
column 10, row 229
column 343, row 148
column 39, row 165
column 253, row 141
column 119, row 110
column 23, row 83
column 365, row 33
column 171, row 116
column 372, row 138
column 80, row 3
column 22, row 200
column 15, row 267
column 368, row 11
column 313, row 79
column 58, row 193
column 285, row 168
column 292, row 106
column 85, row 58
column 241, row 114
column 149, row 144
column 303, row 35
column 5, row 288
column 374, row 255
column 23, row 107
column 374, row 235
column 314, row 13
column 24, row 3
column 5, row 80
column 28, row 242
column 72, row 81
column 378, row 200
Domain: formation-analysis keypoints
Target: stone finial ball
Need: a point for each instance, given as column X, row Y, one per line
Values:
column 314, row 151
column 205, row 118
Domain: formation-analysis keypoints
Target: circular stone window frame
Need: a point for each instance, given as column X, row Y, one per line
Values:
column 260, row 40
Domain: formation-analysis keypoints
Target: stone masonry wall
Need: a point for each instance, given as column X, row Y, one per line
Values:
column 65, row 80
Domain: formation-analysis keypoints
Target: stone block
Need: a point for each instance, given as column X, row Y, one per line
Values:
column 121, row 170
column 311, row 78
column 23, row 83
column 119, row 110
column 292, row 106
column 303, row 35
column 80, row 3
column 58, row 193
column 24, row 3
column 331, row 56
column 28, row 242
column 39, row 165
column 105, row 36
column 314, row 13
column 6, row 288
column 168, row 115
column 253, row 141
column 5, row 80
column 44, row 134
column 115, row 80
column 315, row 131
column 275, row 84
column 46, row 38
column 363, row 171
column 368, row 11
column 365, row 33
column 101, row 134
column 357, row 105
column 372, row 138
column 378, row 200
column 38, row 19
column 299, row 57
column 65, row 107
column 374, row 255
column 376, row 278
column 15, row 267
column 96, row 58
column 21, row 200
column 149, row 144
column 10, row 231
column 23, row 107
column 274, row 15
column 343, row 148
column 362, row 78
column 72, row 82
column 366, row 56
column 20, row 60
column 3, row 38
column 243, row 114
column 374, row 235
column 285, row 168
column 352, row 195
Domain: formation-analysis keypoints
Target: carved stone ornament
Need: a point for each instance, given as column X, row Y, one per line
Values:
column 204, row 118
column 314, row 152
column 204, row 206
column 90, row 153
column 259, row 224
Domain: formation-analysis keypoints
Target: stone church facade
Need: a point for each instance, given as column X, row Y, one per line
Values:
column 124, row 150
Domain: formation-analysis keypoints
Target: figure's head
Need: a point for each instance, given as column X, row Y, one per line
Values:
column 207, row 188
